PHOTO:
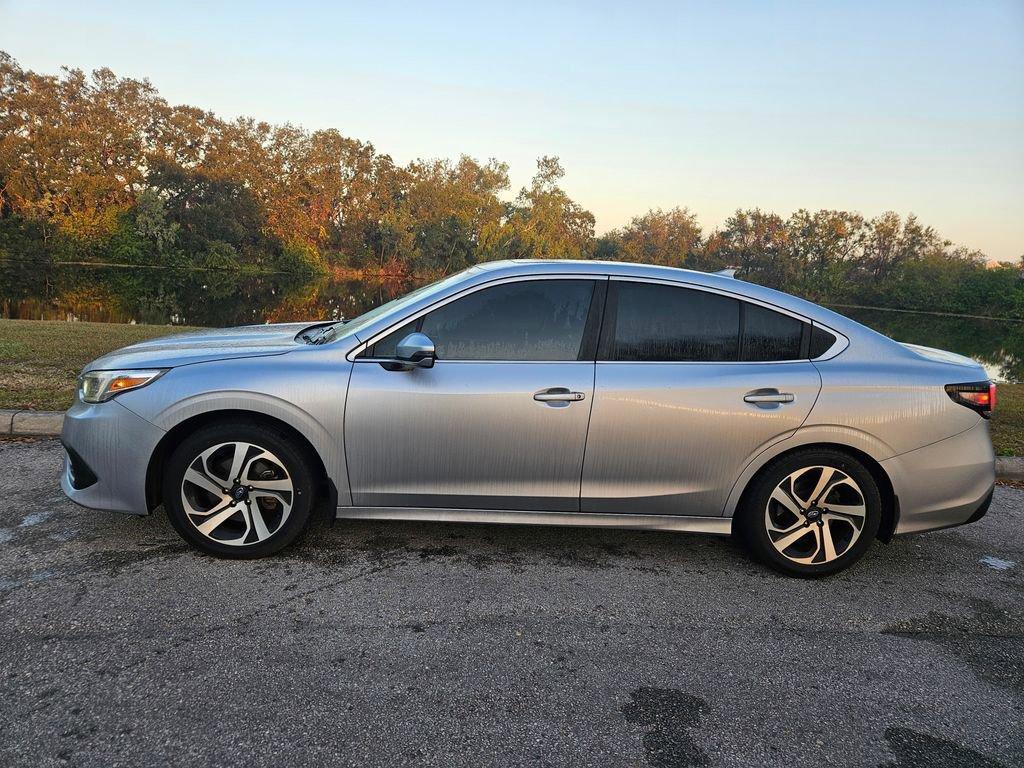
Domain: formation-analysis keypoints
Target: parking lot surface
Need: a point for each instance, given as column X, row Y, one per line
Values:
column 431, row 644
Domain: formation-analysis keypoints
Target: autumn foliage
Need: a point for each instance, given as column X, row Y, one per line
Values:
column 101, row 169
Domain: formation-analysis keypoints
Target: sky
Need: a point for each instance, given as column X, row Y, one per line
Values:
column 914, row 107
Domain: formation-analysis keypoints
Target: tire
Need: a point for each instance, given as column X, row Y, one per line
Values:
column 824, row 493
column 268, row 509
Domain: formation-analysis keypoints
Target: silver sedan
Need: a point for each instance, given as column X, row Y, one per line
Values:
column 551, row 393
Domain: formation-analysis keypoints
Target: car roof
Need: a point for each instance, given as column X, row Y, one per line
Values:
column 720, row 282
column 871, row 341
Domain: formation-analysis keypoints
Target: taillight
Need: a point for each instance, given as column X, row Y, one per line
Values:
column 979, row 396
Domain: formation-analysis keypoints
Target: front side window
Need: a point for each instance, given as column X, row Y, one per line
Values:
column 530, row 320
column 662, row 323
column 361, row 321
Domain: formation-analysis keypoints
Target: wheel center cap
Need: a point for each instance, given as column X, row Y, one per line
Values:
column 813, row 514
column 239, row 493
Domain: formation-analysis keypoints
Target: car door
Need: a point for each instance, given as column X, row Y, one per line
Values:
column 499, row 421
column 690, row 384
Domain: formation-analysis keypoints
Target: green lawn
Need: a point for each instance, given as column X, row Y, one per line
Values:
column 40, row 359
column 1008, row 420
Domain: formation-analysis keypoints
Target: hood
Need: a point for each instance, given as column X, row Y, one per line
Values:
column 205, row 346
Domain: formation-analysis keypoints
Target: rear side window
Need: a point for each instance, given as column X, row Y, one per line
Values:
column 769, row 335
column 662, row 323
column 650, row 322
column 531, row 320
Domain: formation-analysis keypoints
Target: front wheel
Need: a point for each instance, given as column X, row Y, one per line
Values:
column 812, row 513
column 238, row 490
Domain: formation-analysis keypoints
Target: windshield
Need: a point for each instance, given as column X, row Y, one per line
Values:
column 327, row 333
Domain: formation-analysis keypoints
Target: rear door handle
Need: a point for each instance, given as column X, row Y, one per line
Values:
column 557, row 395
column 760, row 396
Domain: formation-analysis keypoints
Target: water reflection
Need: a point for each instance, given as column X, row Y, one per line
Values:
column 179, row 297
column 115, row 295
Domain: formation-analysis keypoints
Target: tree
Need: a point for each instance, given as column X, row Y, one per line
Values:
column 95, row 167
column 73, row 149
column 152, row 223
column 757, row 244
column 671, row 238
column 543, row 222
column 890, row 243
column 451, row 205
column 824, row 244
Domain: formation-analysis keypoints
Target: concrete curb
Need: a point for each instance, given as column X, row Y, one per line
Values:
column 31, row 423
column 49, row 423
column 1010, row 468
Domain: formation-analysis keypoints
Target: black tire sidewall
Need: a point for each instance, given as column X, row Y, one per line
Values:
column 751, row 519
column 295, row 461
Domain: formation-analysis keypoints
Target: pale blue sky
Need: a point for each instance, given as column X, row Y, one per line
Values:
column 869, row 106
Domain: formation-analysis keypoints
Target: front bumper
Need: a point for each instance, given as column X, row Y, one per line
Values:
column 946, row 483
column 114, row 445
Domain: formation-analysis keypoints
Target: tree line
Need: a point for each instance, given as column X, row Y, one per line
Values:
column 101, row 169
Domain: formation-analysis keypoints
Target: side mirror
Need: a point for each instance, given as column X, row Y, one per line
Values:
column 414, row 351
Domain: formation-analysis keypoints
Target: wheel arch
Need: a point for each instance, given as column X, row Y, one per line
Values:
column 174, row 436
column 890, row 501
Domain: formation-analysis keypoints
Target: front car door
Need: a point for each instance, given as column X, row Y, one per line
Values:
column 690, row 384
column 500, row 421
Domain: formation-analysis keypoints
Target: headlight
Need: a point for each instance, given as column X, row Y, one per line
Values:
column 100, row 386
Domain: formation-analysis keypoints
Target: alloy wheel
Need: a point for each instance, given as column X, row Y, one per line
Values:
column 237, row 493
column 815, row 515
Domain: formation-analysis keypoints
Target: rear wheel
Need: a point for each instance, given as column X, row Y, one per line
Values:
column 811, row 513
column 238, row 490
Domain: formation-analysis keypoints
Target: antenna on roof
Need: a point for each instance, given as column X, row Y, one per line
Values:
column 728, row 272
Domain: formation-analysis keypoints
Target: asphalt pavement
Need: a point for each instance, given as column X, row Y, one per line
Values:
column 375, row 643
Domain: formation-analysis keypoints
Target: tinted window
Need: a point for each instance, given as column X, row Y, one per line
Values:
column 663, row 323
column 769, row 335
column 386, row 347
column 529, row 320
column 821, row 340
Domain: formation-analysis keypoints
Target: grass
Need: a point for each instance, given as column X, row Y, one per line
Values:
column 39, row 360
column 1008, row 420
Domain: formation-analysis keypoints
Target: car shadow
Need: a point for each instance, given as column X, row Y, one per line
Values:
column 515, row 547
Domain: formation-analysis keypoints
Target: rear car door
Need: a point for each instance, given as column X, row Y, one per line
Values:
column 499, row 421
column 690, row 384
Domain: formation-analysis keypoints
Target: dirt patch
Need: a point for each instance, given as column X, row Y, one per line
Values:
column 916, row 750
column 989, row 639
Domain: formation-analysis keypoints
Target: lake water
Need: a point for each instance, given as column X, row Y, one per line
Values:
column 116, row 295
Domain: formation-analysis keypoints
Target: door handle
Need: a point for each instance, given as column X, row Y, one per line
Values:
column 761, row 396
column 557, row 395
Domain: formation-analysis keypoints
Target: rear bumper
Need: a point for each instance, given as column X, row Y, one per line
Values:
column 946, row 483
column 107, row 454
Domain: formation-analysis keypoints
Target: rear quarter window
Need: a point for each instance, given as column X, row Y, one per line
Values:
column 821, row 342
